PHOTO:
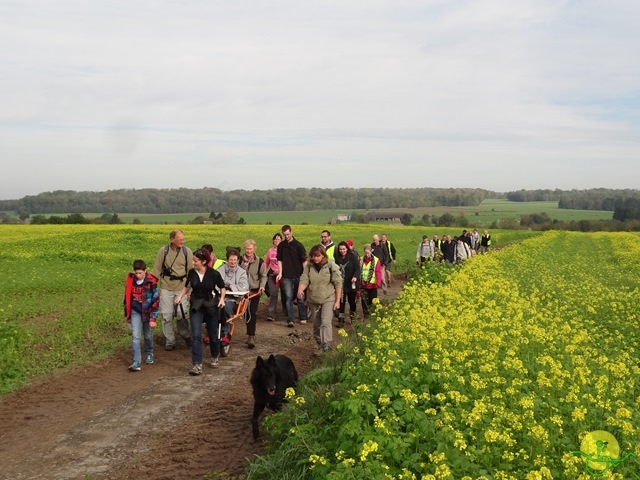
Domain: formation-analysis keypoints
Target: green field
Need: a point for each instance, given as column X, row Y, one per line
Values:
column 62, row 285
column 481, row 216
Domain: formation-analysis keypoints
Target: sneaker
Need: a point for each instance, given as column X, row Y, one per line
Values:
column 224, row 341
column 148, row 359
column 270, row 319
column 134, row 367
column 196, row 369
column 303, row 322
column 251, row 341
column 206, row 340
column 290, row 324
column 215, row 362
column 169, row 347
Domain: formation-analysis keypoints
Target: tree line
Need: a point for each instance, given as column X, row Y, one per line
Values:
column 624, row 202
column 185, row 200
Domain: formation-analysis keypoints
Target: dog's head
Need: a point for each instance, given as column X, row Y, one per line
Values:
column 266, row 374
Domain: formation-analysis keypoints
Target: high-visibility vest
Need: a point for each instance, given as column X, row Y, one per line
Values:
column 365, row 267
column 330, row 250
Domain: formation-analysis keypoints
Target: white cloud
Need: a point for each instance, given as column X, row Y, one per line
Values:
column 492, row 94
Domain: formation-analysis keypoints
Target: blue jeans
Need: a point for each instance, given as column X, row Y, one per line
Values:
column 137, row 327
column 290, row 287
column 211, row 320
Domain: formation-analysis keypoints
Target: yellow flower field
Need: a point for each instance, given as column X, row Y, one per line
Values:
column 496, row 371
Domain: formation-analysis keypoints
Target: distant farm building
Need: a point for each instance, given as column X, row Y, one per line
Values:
column 341, row 217
column 393, row 217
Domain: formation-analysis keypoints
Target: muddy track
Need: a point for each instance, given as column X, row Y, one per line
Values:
column 104, row 422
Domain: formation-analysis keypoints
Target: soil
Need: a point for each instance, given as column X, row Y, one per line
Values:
column 103, row 422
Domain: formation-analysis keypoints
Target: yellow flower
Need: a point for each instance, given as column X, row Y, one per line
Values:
column 369, row 447
column 289, row 393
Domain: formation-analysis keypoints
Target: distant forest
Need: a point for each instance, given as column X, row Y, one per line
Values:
column 185, row 200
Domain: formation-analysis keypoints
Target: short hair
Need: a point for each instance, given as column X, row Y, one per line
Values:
column 250, row 241
column 345, row 244
column 207, row 247
column 367, row 246
column 231, row 252
column 277, row 235
column 173, row 233
column 327, row 232
column 285, row 228
column 139, row 265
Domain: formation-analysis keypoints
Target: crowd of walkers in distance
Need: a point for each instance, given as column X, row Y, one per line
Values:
column 452, row 251
column 189, row 290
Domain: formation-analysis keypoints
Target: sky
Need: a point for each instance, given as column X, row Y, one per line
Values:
column 496, row 94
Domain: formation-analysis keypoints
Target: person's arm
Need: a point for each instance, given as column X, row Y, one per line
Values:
column 185, row 291
column 303, row 283
column 262, row 276
column 157, row 265
column 279, row 276
column 242, row 280
column 336, row 304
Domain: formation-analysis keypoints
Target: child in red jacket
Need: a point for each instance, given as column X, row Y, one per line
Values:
column 141, row 300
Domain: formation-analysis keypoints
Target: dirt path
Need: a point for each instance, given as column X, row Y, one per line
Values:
column 102, row 421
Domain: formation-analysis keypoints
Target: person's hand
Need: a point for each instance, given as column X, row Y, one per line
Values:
column 221, row 303
column 300, row 294
column 127, row 320
column 152, row 323
column 178, row 300
column 278, row 277
column 336, row 306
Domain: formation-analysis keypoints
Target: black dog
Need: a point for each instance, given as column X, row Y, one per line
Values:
column 269, row 380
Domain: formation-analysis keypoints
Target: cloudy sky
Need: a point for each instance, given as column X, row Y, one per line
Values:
column 496, row 94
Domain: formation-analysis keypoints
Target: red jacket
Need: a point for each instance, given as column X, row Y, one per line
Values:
column 150, row 297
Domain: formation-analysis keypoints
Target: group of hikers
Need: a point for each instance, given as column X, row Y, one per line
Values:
column 453, row 251
column 198, row 288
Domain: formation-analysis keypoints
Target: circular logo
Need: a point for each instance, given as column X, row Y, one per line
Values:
column 600, row 446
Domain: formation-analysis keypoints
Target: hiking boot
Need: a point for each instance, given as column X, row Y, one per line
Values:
column 270, row 319
column 215, row 362
column 134, row 367
column 168, row 347
column 196, row 369
column 303, row 322
column 148, row 359
column 251, row 341
column 290, row 324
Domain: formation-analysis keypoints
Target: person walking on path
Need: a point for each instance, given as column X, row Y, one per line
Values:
column 273, row 288
column 257, row 276
column 350, row 268
column 141, row 300
column 201, row 285
column 322, row 280
column 171, row 267
column 327, row 243
column 382, row 254
column 292, row 257
column 370, row 279
column 426, row 251
column 391, row 250
column 485, row 242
